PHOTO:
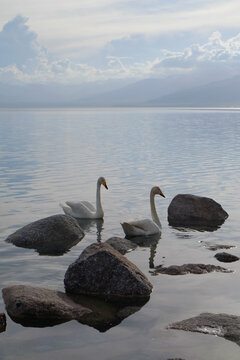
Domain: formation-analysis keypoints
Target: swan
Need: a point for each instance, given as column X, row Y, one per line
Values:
column 84, row 209
column 145, row 227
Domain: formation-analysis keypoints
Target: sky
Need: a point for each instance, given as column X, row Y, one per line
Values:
column 82, row 41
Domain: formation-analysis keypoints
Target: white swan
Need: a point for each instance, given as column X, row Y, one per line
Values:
column 84, row 209
column 145, row 227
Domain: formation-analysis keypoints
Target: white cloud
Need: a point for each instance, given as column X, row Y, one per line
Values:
column 25, row 60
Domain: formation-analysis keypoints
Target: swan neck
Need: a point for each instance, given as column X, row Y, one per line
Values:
column 153, row 210
column 99, row 209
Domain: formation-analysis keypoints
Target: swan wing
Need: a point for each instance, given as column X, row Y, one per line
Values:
column 143, row 227
column 79, row 209
column 88, row 205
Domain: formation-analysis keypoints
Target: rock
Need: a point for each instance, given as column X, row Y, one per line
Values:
column 225, row 257
column 215, row 247
column 188, row 269
column 224, row 325
column 122, row 245
column 195, row 211
column 42, row 306
column 102, row 271
column 3, row 322
column 39, row 307
column 53, row 235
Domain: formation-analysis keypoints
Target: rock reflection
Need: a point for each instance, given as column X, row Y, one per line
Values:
column 38, row 307
column 89, row 225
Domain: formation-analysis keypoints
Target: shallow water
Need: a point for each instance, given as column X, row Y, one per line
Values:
column 50, row 156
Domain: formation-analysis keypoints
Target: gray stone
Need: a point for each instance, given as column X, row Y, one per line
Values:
column 225, row 257
column 53, row 235
column 3, row 322
column 224, row 325
column 122, row 245
column 195, row 211
column 188, row 269
column 39, row 307
column 213, row 247
column 102, row 271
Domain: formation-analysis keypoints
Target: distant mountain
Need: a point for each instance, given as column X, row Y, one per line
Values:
column 172, row 91
column 224, row 93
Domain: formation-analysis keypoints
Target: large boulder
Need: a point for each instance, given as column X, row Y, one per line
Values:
column 40, row 307
column 53, row 235
column 195, row 211
column 102, row 271
column 224, row 325
column 122, row 245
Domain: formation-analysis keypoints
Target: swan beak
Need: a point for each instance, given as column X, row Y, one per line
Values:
column 105, row 185
column 161, row 193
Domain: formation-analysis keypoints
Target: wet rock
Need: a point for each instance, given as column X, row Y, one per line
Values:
column 225, row 257
column 215, row 247
column 122, row 245
column 53, row 235
column 39, row 307
column 44, row 307
column 224, row 325
column 3, row 322
column 188, row 269
column 102, row 271
column 195, row 211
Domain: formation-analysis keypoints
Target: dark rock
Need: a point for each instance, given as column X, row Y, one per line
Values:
column 102, row 271
column 215, row 247
column 225, row 257
column 224, row 325
column 39, row 307
column 195, row 211
column 122, row 245
column 53, row 235
column 3, row 322
column 188, row 269
column 44, row 307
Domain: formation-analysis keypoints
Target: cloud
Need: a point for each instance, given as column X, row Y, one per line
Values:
column 25, row 60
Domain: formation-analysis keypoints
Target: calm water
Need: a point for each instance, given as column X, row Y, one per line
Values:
column 50, row 156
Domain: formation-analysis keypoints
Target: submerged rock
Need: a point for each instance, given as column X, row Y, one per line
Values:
column 224, row 325
column 225, row 257
column 122, row 245
column 195, row 211
column 3, row 322
column 53, row 235
column 102, row 271
column 39, row 307
column 214, row 247
column 188, row 269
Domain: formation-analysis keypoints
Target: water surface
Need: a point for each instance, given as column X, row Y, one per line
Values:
column 50, row 156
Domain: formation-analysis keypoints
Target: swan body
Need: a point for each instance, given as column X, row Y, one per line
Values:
column 145, row 227
column 84, row 209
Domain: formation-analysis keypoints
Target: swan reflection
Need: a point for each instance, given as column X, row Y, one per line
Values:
column 88, row 225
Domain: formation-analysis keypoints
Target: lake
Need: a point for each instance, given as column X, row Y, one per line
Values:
column 50, row 156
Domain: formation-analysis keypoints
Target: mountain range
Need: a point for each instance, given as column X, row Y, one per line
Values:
column 177, row 91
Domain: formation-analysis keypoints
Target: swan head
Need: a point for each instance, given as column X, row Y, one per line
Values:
column 157, row 191
column 102, row 181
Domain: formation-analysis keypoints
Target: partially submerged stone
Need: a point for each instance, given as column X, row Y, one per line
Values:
column 213, row 247
column 102, row 271
column 224, row 325
column 53, row 235
column 44, row 307
column 188, row 269
column 3, row 322
column 226, row 257
column 195, row 211
column 122, row 245
column 40, row 307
